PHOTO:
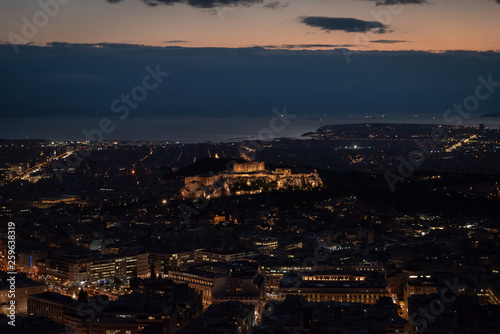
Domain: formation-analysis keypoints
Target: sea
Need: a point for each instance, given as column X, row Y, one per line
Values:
column 198, row 129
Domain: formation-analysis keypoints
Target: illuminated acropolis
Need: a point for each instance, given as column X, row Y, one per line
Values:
column 248, row 178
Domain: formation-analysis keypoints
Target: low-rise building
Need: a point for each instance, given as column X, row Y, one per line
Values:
column 323, row 287
column 19, row 289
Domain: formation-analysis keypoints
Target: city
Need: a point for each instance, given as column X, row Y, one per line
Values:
column 197, row 235
column 249, row 167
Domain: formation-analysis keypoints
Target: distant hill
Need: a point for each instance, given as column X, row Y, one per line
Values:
column 204, row 167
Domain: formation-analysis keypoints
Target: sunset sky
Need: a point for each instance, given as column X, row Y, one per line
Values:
column 431, row 25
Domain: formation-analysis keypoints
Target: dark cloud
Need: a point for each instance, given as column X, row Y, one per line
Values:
column 174, row 42
column 343, row 24
column 277, row 4
column 198, row 3
column 399, row 2
column 388, row 41
column 83, row 80
column 307, row 46
column 381, row 31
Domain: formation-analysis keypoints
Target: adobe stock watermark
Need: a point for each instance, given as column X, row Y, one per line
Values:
column 221, row 8
column 11, row 267
column 88, row 311
column 277, row 124
column 321, row 253
column 429, row 313
column 31, row 27
column 121, row 107
column 383, row 18
column 91, row 309
column 454, row 116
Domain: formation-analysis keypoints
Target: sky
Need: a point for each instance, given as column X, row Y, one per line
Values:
column 245, row 57
column 413, row 25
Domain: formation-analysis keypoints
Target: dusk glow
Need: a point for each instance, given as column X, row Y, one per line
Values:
column 431, row 25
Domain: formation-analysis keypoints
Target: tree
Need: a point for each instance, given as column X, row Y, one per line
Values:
column 83, row 296
column 153, row 273
column 134, row 281
column 117, row 282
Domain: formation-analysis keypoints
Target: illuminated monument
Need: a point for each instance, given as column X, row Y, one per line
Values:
column 249, row 167
column 248, row 178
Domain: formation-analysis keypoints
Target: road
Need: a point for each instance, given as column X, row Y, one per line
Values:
column 27, row 173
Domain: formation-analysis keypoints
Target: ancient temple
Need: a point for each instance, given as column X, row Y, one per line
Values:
column 249, row 167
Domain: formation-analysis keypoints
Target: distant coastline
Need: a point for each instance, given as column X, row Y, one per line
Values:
column 197, row 130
